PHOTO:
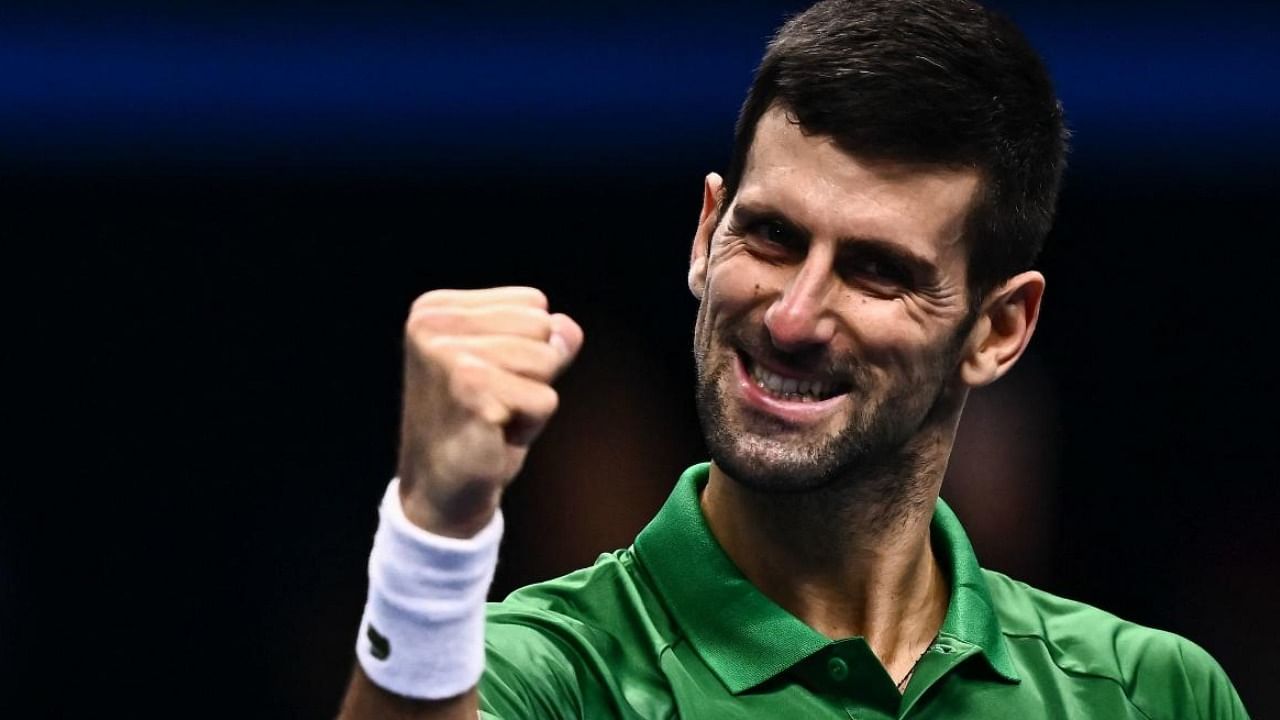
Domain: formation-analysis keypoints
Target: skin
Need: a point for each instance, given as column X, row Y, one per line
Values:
column 837, row 531
column 478, row 369
column 830, row 513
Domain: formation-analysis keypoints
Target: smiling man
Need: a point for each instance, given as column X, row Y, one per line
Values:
column 865, row 263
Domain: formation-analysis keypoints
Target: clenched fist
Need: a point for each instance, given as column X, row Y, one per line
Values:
column 478, row 369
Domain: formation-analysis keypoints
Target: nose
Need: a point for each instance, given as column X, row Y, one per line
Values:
column 801, row 315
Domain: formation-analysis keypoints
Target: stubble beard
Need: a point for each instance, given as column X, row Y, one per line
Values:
column 873, row 456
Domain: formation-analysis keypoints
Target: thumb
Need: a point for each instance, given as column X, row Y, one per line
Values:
column 566, row 336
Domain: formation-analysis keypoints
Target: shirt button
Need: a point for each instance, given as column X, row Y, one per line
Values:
column 838, row 669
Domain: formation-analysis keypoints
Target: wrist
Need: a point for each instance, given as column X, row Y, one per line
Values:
column 422, row 634
column 462, row 516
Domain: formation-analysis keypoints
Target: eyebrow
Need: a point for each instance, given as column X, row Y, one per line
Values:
column 750, row 213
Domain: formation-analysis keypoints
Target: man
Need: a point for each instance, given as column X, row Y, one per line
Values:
column 863, row 265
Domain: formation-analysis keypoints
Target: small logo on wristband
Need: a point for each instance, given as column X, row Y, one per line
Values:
column 379, row 645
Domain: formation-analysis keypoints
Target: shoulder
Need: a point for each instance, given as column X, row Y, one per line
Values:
column 613, row 593
column 562, row 647
column 581, row 605
column 1155, row 669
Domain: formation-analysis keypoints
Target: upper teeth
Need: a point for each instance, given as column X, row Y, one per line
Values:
column 785, row 386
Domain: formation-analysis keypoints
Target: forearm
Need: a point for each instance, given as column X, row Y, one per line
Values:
column 366, row 701
column 477, row 390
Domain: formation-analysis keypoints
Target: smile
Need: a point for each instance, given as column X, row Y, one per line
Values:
column 788, row 388
column 788, row 397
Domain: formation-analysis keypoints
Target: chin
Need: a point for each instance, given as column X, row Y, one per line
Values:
column 773, row 475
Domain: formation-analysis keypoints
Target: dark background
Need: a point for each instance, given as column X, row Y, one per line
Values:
column 215, row 216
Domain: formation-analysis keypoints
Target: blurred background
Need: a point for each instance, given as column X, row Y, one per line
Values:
column 215, row 216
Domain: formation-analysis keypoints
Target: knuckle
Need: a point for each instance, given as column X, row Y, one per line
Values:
column 431, row 297
column 415, row 325
column 493, row 413
column 429, row 346
column 528, row 356
column 432, row 318
column 539, row 320
column 549, row 359
column 547, row 400
column 468, row 380
column 437, row 346
column 538, row 298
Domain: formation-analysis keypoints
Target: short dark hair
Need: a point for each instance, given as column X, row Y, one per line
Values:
column 937, row 82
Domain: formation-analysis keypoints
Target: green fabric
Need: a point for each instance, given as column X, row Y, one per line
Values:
column 670, row 628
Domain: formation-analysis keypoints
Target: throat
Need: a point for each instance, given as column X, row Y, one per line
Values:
column 842, row 574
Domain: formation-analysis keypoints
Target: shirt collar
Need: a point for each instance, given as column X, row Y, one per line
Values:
column 746, row 638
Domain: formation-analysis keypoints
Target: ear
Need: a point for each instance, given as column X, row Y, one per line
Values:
column 1003, row 329
column 712, row 191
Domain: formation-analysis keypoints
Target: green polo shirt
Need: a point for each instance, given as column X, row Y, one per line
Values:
column 670, row 628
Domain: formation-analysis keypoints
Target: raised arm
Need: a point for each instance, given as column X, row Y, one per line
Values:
column 477, row 391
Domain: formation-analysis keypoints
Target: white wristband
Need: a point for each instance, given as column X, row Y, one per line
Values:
column 422, row 634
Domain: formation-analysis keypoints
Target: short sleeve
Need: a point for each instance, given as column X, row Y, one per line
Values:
column 1172, row 677
column 527, row 675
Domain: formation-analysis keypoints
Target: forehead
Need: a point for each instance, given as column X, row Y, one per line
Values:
column 817, row 184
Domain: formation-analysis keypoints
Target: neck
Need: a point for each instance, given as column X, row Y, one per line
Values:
column 853, row 559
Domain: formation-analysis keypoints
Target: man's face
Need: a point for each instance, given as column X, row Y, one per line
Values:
column 833, row 309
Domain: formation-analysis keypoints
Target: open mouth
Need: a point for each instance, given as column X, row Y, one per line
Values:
column 791, row 388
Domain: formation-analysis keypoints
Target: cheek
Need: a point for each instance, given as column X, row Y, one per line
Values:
column 888, row 336
column 736, row 284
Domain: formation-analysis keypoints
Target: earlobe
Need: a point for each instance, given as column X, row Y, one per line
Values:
column 698, row 275
column 712, row 190
column 1003, row 328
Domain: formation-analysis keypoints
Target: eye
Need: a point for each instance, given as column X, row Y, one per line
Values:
column 772, row 231
column 774, row 235
column 879, row 270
